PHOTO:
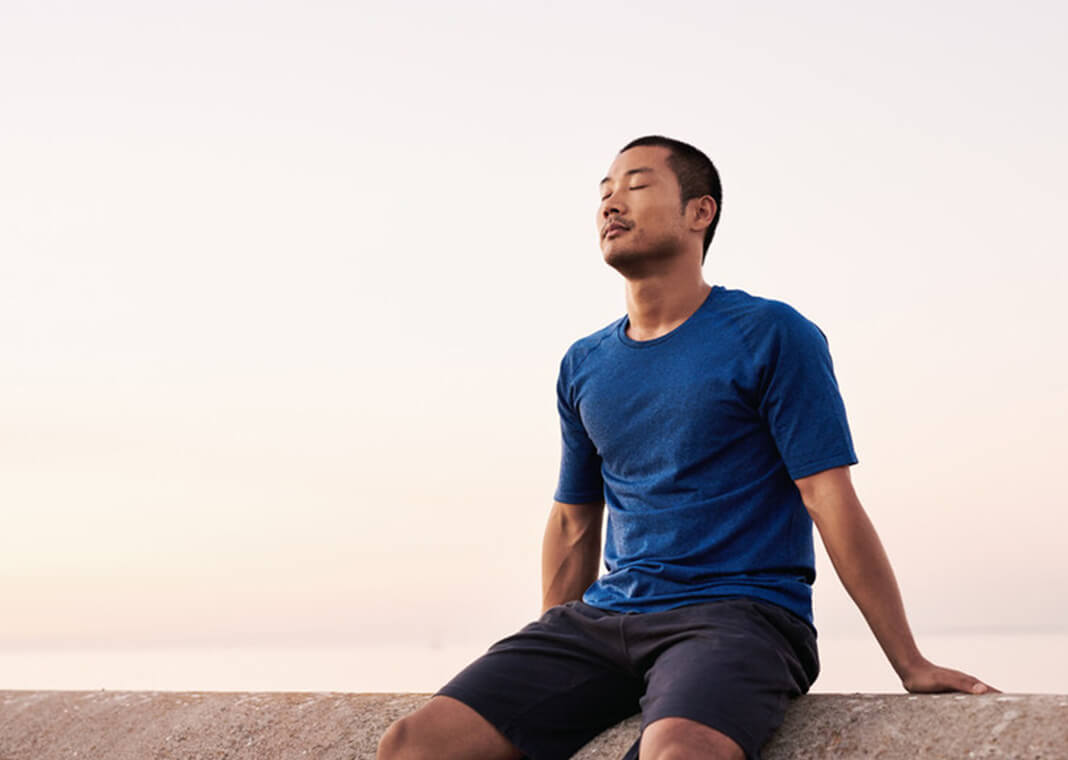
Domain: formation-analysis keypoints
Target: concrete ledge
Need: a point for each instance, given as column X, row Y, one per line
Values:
column 109, row 725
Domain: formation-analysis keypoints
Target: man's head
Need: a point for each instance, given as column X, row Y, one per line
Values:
column 665, row 196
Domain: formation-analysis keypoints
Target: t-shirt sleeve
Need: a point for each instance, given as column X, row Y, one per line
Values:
column 799, row 396
column 580, row 479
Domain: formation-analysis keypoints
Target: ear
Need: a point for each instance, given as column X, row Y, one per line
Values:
column 701, row 211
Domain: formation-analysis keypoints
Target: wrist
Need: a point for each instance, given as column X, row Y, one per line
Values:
column 908, row 668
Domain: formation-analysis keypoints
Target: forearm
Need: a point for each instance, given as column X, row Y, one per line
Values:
column 862, row 565
column 571, row 552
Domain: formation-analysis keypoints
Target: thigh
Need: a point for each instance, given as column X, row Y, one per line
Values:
column 554, row 685
column 735, row 670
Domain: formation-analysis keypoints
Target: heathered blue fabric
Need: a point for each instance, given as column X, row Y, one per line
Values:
column 693, row 440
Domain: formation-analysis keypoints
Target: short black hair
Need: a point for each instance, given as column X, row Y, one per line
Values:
column 695, row 172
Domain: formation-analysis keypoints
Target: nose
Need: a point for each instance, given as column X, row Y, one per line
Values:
column 611, row 206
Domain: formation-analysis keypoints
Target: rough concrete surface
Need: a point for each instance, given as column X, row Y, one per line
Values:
column 331, row 726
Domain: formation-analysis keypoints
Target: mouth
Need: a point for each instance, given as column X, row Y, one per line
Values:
column 614, row 229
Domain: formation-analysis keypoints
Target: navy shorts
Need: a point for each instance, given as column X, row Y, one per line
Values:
column 732, row 664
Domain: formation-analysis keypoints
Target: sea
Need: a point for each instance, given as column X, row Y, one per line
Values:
column 1013, row 663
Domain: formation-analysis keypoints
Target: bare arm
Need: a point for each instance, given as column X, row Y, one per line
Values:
column 570, row 551
column 864, row 569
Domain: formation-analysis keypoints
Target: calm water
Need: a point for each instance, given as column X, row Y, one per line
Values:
column 1014, row 663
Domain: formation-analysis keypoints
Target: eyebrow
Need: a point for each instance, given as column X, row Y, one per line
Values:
column 627, row 173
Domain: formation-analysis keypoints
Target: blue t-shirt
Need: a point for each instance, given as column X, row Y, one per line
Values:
column 693, row 440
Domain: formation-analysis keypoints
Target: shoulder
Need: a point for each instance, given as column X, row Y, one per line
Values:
column 581, row 349
column 746, row 308
column 761, row 319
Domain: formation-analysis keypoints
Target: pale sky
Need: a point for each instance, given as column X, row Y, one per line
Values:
column 284, row 288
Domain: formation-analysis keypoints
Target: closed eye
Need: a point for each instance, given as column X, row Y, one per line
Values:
column 636, row 187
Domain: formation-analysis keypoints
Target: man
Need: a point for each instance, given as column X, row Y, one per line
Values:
column 710, row 423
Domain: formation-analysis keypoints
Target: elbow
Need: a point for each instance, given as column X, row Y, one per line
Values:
column 576, row 522
column 825, row 492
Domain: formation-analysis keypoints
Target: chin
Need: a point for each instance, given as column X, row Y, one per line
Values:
column 633, row 263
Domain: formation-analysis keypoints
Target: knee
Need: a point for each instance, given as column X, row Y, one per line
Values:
column 681, row 751
column 670, row 752
column 681, row 739
column 397, row 742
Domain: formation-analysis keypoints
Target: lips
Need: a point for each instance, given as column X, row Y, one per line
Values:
column 615, row 227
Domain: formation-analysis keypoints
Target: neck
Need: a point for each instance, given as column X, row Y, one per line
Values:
column 659, row 303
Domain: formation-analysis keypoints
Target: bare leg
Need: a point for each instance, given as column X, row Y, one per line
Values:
column 683, row 739
column 444, row 729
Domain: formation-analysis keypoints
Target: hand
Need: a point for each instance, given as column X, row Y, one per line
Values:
column 929, row 678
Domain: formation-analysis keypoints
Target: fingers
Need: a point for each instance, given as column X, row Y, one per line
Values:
column 972, row 685
column 983, row 688
column 935, row 679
